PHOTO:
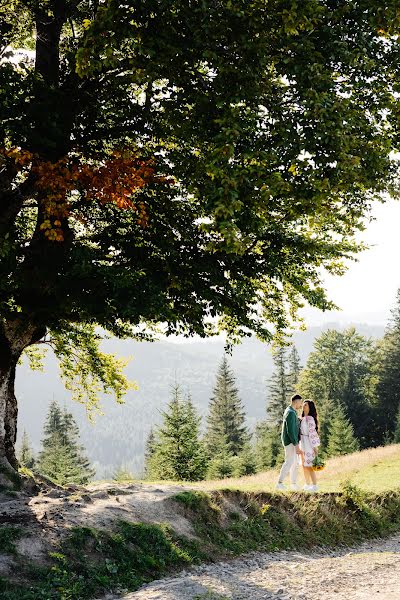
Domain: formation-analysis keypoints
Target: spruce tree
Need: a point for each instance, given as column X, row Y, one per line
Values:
column 278, row 387
column 341, row 438
column 226, row 418
column 269, row 450
column 62, row 458
column 26, row 458
column 149, row 450
column 388, row 387
column 122, row 475
column 222, row 463
column 179, row 453
column 245, row 462
column 294, row 369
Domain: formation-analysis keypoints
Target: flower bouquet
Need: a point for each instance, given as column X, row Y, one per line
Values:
column 318, row 464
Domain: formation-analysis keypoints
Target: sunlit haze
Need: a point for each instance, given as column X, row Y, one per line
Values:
column 367, row 291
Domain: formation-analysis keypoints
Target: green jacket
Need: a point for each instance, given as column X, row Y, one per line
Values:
column 290, row 427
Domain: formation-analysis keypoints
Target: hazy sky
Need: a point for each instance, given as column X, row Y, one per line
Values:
column 367, row 291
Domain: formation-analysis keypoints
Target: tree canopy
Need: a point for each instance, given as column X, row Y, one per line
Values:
column 265, row 134
column 341, row 372
column 191, row 164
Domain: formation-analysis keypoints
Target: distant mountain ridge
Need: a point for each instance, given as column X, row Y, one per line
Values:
column 118, row 437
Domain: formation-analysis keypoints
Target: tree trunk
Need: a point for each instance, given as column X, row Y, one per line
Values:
column 14, row 337
column 8, row 416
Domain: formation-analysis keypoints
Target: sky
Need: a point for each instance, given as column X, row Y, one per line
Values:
column 367, row 292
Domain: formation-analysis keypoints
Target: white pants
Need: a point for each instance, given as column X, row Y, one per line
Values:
column 290, row 465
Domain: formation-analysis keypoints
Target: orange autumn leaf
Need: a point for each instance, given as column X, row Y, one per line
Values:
column 115, row 181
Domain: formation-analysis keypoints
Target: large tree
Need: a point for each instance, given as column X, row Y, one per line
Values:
column 340, row 371
column 341, row 438
column 294, row 369
column 62, row 458
column 190, row 163
column 226, row 420
column 178, row 453
column 280, row 387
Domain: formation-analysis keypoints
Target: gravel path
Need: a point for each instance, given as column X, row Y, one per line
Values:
column 368, row 572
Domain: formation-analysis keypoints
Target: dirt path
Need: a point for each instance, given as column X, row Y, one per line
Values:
column 368, row 572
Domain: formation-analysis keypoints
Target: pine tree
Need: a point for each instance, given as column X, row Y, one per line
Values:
column 269, row 450
column 245, row 462
column 278, row 388
column 222, row 463
column 388, row 387
column 341, row 438
column 149, row 451
column 179, row 453
column 62, row 458
column 294, row 369
column 226, row 418
column 26, row 458
column 122, row 475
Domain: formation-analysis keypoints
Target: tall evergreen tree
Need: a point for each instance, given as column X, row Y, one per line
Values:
column 269, row 449
column 221, row 464
column 388, row 387
column 341, row 438
column 149, row 451
column 178, row 452
column 62, row 458
column 226, row 418
column 280, row 388
column 294, row 369
column 25, row 457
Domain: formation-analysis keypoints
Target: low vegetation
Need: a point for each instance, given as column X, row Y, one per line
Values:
column 8, row 536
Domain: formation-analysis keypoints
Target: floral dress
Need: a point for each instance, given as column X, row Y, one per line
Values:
column 309, row 440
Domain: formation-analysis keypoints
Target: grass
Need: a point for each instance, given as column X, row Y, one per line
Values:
column 8, row 536
column 374, row 470
column 268, row 522
column 12, row 476
column 92, row 561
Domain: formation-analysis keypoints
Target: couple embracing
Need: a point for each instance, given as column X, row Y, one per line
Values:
column 300, row 440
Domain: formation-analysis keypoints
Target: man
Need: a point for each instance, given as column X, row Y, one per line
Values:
column 290, row 441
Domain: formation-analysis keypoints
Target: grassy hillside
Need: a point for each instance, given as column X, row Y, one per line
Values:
column 373, row 470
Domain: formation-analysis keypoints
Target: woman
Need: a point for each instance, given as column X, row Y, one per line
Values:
column 309, row 442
